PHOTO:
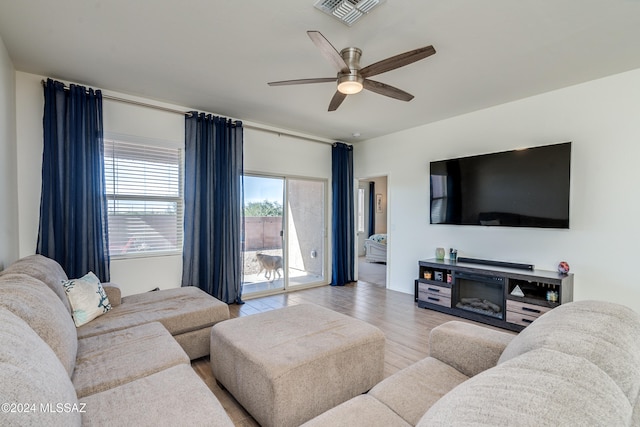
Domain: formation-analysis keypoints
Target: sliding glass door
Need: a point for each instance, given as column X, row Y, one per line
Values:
column 305, row 232
column 263, row 234
column 285, row 233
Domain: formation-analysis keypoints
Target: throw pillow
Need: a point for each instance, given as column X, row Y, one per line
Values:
column 380, row 238
column 87, row 298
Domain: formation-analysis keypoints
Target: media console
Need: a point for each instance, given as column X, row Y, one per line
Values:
column 505, row 297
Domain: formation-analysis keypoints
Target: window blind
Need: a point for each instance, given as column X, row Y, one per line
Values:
column 144, row 196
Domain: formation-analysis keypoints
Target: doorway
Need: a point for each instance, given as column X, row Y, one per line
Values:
column 371, row 222
column 285, row 234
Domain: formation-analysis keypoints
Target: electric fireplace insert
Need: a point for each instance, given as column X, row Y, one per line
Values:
column 479, row 293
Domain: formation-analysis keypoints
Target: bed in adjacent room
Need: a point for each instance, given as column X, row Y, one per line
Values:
column 376, row 248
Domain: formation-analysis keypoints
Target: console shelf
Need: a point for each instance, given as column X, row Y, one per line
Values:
column 489, row 294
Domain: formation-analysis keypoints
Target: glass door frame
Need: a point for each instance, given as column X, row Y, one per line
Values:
column 325, row 234
column 285, row 234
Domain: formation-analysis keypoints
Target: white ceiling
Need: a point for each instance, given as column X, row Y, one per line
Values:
column 218, row 55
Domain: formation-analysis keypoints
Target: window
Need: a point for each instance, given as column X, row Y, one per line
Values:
column 145, row 199
column 360, row 210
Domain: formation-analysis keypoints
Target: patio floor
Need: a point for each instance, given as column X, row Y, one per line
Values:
column 258, row 283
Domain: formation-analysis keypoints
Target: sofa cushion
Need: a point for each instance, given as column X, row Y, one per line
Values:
column 411, row 392
column 31, row 373
column 87, row 298
column 606, row 334
column 179, row 310
column 172, row 397
column 108, row 360
column 44, row 269
column 467, row 347
column 35, row 303
column 540, row 388
column 363, row 410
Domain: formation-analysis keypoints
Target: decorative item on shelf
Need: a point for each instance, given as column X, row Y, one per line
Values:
column 427, row 275
column 453, row 254
column 440, row 254
column 449, row 278
column 437, row 275
column 517, row 292
column 563, row 267
column 552, row 296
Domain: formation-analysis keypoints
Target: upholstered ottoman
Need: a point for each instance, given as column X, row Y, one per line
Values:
column 288, row 365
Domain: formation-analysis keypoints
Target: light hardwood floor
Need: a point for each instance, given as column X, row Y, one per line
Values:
column 405, row 326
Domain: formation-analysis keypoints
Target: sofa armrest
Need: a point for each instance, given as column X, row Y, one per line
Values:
column 113, row 293
column 466, row 347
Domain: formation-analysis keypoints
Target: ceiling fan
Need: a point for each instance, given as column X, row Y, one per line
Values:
column 351, row 79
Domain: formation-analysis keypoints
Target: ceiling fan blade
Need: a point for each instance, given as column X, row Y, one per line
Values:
column 386, row 90
column 328, row 51
column 397, row 61
column 303, row 81
column 337, row 99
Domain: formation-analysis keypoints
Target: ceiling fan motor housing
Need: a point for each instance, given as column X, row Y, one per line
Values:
column 350, row 81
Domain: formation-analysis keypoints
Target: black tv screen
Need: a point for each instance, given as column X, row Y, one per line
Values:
column 519, row 188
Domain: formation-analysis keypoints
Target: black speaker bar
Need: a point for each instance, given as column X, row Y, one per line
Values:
column 497, row 263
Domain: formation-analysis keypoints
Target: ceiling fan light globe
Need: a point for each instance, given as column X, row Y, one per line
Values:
column 350, row 84
column 349, row 88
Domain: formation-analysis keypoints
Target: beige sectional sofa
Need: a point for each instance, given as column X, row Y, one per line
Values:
column 130, row 366
column 187, row 313
column 577, row 365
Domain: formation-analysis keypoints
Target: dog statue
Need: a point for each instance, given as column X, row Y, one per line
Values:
column 270, row 264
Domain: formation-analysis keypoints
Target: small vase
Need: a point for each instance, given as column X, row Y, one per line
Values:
column 440, row 253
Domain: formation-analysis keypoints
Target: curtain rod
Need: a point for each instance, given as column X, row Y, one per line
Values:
column 139, row 103
column 188, row 114
column 291, row 134
column 144, row 104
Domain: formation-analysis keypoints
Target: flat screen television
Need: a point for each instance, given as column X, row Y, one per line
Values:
column 518, row 188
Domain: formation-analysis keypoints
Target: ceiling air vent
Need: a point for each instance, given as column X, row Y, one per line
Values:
column 347, row 11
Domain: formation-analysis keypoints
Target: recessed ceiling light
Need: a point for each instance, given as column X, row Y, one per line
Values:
column 355, row 134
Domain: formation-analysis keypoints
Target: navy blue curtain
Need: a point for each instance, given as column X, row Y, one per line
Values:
column 372, row 208
column 73, row 204
column 342, row 227
column 212, row 253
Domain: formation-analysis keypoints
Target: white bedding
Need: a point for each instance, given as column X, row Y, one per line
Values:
column 376, row 248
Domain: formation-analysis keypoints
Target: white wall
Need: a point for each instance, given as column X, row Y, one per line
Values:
column 8, row 171
column 601, row 117
column 264, row 152
column 280, row 154
column 29, row 112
